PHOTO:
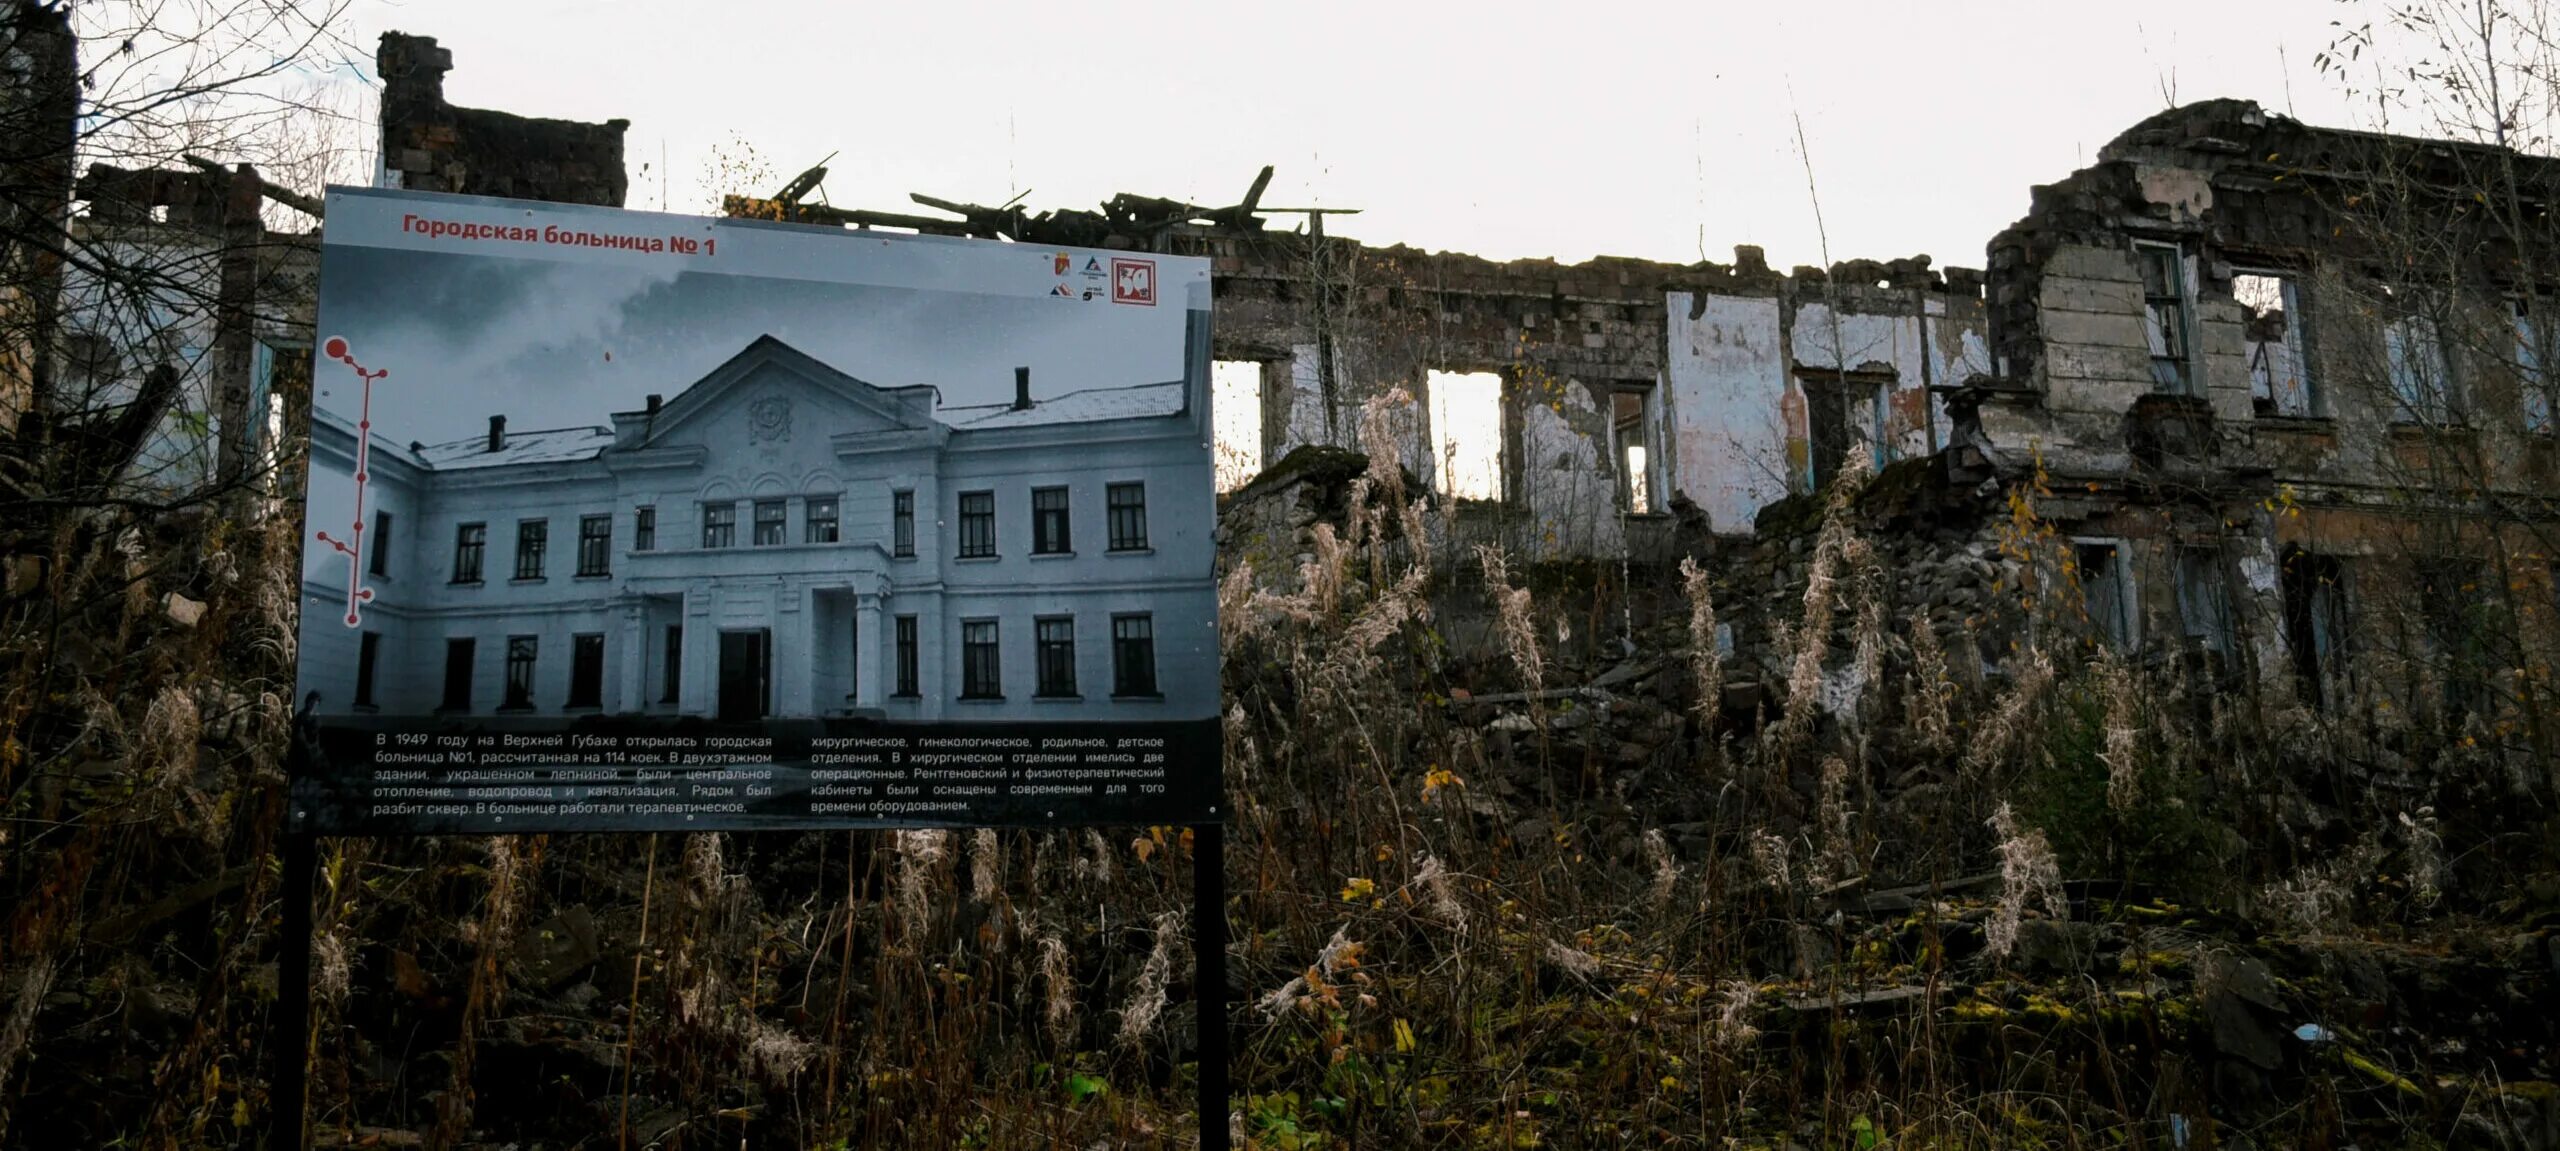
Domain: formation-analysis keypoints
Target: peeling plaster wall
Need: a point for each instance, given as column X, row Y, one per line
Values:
column 1741, row 432
column 1569, row 497
column 1729, row 387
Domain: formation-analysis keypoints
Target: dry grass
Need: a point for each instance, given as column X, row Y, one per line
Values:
column 1604, row 920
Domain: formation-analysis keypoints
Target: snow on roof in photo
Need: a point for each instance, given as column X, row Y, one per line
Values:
column 566, row 445
column 555, row 445
column 1071, row 408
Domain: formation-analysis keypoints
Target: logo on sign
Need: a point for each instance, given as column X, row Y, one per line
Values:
column 1133, row 281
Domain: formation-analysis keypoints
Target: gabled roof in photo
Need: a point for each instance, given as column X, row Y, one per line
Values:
column 1072, row 408
column 543, row 446
column 569, row 445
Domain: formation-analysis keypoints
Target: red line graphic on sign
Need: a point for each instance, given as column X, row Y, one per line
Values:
column 353, row 546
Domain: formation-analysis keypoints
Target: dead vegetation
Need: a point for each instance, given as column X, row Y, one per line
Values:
column 1502, row 876
column 1523, row 854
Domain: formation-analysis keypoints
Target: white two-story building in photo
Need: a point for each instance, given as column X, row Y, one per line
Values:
column 778, row 539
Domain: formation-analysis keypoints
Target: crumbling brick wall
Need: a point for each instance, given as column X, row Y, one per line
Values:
column 2343, row 386
column 40, row 107
column 437, row 147
column 1710, row 360
column 1336, row 324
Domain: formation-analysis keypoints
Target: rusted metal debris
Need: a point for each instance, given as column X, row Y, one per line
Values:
column 1125, row 220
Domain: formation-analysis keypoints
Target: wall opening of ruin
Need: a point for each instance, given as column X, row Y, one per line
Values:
column 2455, row 620
column 2533, row 387
column 2422, row 390
column 2315, row 623
column 1235, row 405
column 1826, row 426
column 2204, row 601
column 2271, row 339
column 2106, row 589
column 2164, row 309
column 1631, row 429
column 1466, row 433
column 1844, row 414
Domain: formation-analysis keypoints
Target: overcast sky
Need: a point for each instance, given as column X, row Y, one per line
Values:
column 1506, row 129
column 555, row 344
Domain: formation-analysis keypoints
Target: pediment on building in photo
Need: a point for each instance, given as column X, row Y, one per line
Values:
column 772, row 395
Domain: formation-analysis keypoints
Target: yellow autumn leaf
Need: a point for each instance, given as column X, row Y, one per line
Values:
column 1359, row 887
column 1404, row 1037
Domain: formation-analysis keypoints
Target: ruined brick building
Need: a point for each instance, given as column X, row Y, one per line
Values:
column 2280, row 390
column 2275, row 388
column 2256, row 396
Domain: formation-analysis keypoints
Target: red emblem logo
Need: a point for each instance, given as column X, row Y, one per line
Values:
column 1133, row 281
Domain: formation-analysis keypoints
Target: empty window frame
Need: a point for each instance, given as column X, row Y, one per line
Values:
column 823, row 527
column 533, row 546
column 2315, row 624
column 2413, row 352
column 1049, row 534
column 1127, row 504
column 1830, row 397
column 470, row 543
column 2165, row 318
column 2106, row 590
column 1055, row 656
column 977, row 525
column 2272, row 343
column 2459, row 621
column 1466, row 433
column 521, row 650
column 595, row 545
column 2204, row 598
column 1631, row 430
column 2533, row 385
column 981, row 672
column 586, row 670
column 771, row 518
column 1133, row 655
column 720, row 524
column 1235, row 402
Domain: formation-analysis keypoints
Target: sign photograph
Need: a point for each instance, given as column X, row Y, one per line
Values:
column 624, row 521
